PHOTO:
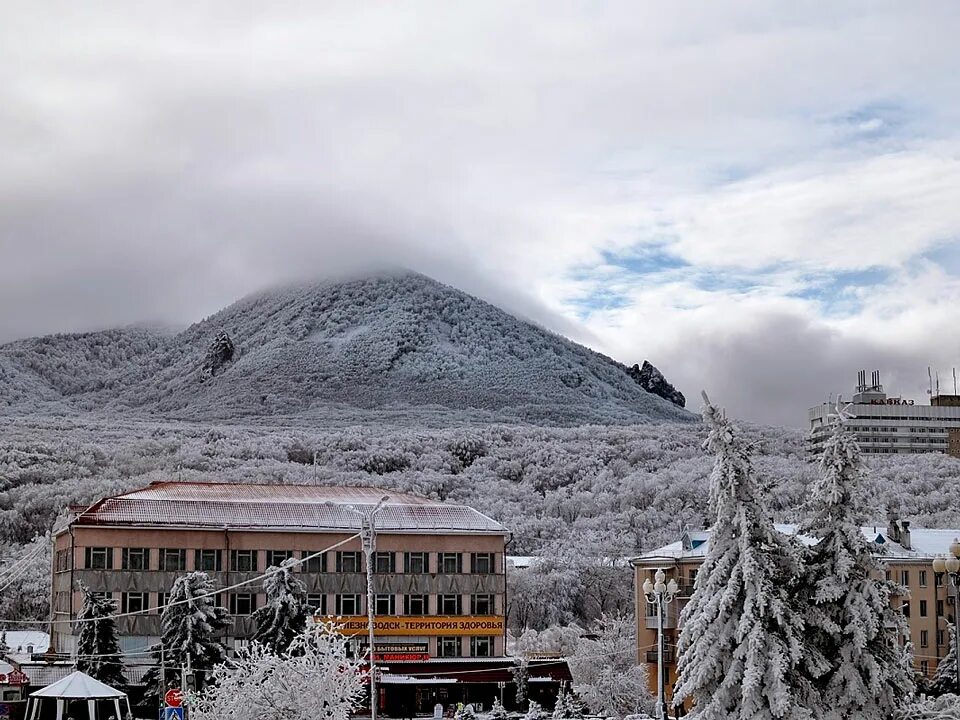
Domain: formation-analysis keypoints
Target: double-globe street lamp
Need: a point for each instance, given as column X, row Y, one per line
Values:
column 950, row 566
column 659, row 595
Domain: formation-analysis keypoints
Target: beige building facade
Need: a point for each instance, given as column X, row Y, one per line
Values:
column 907, row 553
column 439, row 568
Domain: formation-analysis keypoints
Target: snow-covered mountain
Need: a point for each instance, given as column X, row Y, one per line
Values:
column 390, row 343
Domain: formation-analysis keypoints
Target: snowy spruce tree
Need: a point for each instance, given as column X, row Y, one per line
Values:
column 189, row 625
column 741, row 643
column 853, row 632
column 284, row 617
column 98, row 650
column 945, row 678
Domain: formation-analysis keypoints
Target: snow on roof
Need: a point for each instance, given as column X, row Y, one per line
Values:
column 78, row 685
column 313, row 507
column 925, row 543
column 24, row 643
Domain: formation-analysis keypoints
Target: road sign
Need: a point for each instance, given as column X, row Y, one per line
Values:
column 173, row 698
column 173, row 713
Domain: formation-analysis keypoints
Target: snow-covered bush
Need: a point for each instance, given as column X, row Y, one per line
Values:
column 465, row 712
column 535, row 712
column 567, row 707
column 498, row 711
column 314, row 678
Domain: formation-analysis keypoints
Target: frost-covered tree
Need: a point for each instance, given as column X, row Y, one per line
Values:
column 189, row 624
column 498, row 711
column 945, row 678
column 853, row 632
column 605, row 671
column 98, row 650
column 742, row 638
column 945, row 707
column 284, row 617
column 567, row 707
column 535, row 712
column 314, row 678
column 521, row 680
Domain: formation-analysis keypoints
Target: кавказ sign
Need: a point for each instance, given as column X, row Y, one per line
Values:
column 419, row 624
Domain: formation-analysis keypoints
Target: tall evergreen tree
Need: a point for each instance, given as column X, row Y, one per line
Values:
column 945, row 678
column 852, row 629
column 98, row 650
column 741, row 642
column 284, row 617
column 189, row 624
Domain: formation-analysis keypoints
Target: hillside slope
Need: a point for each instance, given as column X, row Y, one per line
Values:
column 390, row 343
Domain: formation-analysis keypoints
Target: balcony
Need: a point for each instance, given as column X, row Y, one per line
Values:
column 669, row 620
column 667, row 656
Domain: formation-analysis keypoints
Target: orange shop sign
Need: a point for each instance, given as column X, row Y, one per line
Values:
column 419, row 624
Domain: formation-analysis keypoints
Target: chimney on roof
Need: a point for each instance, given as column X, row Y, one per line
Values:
column 893, row 528
column 905, row 534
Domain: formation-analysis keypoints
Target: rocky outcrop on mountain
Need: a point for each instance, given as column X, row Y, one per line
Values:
column 653, row 381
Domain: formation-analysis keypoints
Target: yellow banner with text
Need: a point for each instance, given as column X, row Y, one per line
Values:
column 418, row 624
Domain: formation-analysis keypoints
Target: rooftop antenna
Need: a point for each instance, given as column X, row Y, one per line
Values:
column 938, row 383
column 954, row 381
column 930, row 378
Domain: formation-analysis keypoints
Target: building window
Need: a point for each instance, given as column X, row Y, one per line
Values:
column 134, row 602
column 906, row 609
column 449, row 605
column 414, row 604
column 939, row 608
column 923, row 578
column 904, row 577
column 923, row 608
column 481, row 646
column 173, row 559
column 207, row 560
column 317, row 564
column 242, row 603
column 482, row 563
column 243, row 560
column 318, row 602
column 448, row 647
column 348, row 562
column 385, row 605
column 383, row 562
column 924, row 638
column 162, row 599
column 348, row 604
column 416, row 563
column 63, row 560
column 940, row 637
column 481, row 604
column 925, row 668
column 937, row 579
column 99, row 558
column 135, row 559
column 276, row 558
column 61, row 602
column 449, row 563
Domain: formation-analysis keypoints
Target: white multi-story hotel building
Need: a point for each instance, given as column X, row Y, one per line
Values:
column 885, row 424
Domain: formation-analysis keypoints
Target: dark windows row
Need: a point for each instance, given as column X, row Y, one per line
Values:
column 343, row 604
column 175, row 560
column 448, row 647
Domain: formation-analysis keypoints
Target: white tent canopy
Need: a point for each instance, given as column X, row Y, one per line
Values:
column 76, row 686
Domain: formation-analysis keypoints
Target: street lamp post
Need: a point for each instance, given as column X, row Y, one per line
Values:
column 950, row 566
column 660, row 594
column 368, row 538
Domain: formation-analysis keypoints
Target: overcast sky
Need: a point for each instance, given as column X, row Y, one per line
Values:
column 760, row 198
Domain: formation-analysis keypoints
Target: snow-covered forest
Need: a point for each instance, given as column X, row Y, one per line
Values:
column 582, row 498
